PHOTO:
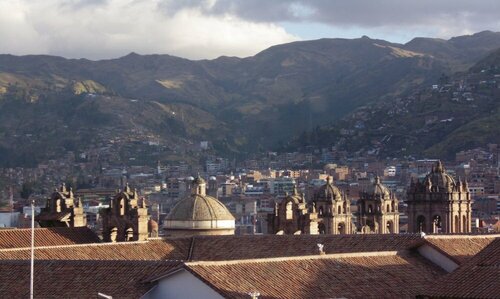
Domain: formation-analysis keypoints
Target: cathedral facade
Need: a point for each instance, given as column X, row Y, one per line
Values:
column 329, row 212
column 439, row 204
column 378, row 210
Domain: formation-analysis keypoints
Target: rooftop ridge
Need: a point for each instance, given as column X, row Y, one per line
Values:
column 461, row 236
column 294, row 258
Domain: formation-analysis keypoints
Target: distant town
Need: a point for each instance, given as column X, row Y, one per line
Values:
column 250, row 189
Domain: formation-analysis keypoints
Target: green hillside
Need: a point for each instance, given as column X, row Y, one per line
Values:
column 242, row 105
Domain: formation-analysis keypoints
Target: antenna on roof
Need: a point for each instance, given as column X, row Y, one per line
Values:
column 32, row 267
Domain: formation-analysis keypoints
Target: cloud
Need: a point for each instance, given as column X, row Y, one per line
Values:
column 444, row 17
column 198, row 29
column 105, row 29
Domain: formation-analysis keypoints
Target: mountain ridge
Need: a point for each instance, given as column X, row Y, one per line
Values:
column 242, row 105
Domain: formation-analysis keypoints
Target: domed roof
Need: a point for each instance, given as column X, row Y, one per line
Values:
column 378, row 190
column 198, row 181
column 295, row 197
column 199, row 207
column 328, row 191
column 439, row 178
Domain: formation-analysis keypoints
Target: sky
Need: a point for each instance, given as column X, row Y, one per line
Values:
column 206, row 29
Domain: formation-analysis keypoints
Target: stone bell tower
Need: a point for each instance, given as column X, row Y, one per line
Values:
column 62, row 209
column 292, row 216
column 439, row 204
column 334, row 210
column 378, row 210
column 126, row 219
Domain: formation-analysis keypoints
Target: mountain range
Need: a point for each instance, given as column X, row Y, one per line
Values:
column 241, row 105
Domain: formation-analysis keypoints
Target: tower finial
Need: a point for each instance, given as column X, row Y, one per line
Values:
column 439, row 166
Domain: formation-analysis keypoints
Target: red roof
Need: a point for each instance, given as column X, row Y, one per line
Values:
column 21, row 238
column 143, row 250
column 80, row 279
column 362, row 275
column 460, row 248
column 268, row 246
column 477, row 278
column 217, row 248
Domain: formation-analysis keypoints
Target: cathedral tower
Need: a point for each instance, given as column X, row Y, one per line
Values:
column 126, row 219
column 439, row 204
column 378, row 210
column 62, row 209
column 334, row 210
column 291, row 216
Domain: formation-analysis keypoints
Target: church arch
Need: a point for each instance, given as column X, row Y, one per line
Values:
column 321, row 228
column 390, row 227
column 421, row 224
column 341, row 228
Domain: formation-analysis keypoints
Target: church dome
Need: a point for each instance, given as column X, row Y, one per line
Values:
column 378, row 190
column 198, row 181
column 439, row 179
column 199, row 208
column 328, row 192
column 199, row 211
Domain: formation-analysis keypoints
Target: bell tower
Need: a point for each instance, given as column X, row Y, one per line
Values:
column 439, row 204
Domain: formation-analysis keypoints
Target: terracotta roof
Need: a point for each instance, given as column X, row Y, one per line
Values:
column 176, row 249
column 267, row 246
column 460, row 247
column 217, row 248
column 367, row 275
column 80, row 279
column 477, row 278
column 21, row 238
